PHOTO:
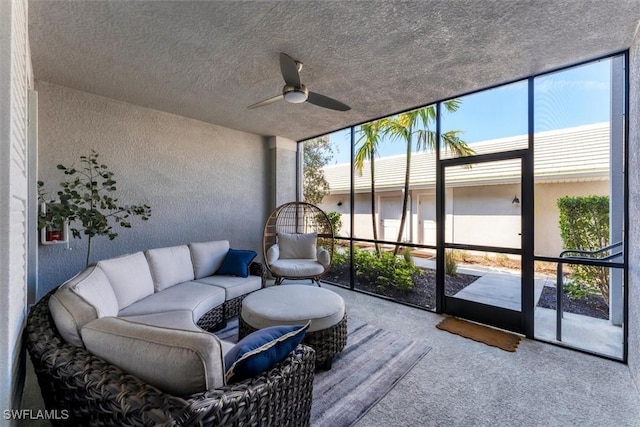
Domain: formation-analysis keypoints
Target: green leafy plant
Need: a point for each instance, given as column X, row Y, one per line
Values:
column 584, row 225
column 86, row 202
column 336, row 221
column 340, row 258
column 384, row 269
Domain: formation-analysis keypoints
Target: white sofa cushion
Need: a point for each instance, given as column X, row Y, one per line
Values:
column 207, row 257
column 234, row 286
column 129, row 276
column 83, row 298
column 170, row 266
column 297, row 267
column 297, row 245
column 177, row 361
column 196, row 297
column 177, row 319
column 93, row 286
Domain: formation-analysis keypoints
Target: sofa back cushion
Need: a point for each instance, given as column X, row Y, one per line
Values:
column 129, row 276
column 170, row 266
column 83, row 298
column 179, row 362
column 297, row 245
column 207, row 257
column 93, row 286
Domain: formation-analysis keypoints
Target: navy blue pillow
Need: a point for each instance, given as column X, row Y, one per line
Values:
column 261, row 350
column 236, row 263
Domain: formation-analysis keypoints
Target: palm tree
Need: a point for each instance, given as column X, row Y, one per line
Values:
column 416, row 124
column 369, row 141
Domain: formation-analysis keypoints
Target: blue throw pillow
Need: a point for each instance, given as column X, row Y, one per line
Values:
column 236, row 263
column 262, row 350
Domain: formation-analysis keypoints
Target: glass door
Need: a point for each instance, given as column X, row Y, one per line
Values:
column 483, row 204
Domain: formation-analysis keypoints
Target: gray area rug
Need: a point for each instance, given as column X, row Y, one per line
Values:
column 372, row 362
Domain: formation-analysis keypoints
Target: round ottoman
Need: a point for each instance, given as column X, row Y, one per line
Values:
column 295, row 305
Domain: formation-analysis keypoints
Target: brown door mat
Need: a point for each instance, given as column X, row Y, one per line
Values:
column 484, row 334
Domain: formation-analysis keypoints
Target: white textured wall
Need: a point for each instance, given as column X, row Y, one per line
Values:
column 492, row 202
column 282, row 159
column 14, row 84
column 203, row 182
column 634, row 210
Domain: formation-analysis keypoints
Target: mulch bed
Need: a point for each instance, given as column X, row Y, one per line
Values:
column 423, row 293
column 591, row 305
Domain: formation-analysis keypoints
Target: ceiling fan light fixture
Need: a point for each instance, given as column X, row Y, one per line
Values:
column 295, row 95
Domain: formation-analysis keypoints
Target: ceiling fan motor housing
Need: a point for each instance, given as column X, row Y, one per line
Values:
column 295, row 95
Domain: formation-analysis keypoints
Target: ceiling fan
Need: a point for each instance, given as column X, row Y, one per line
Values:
column 295, row 92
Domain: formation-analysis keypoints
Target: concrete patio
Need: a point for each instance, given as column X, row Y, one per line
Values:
column 465, row 383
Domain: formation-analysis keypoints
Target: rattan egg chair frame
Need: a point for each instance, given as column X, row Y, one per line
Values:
column 300, row 218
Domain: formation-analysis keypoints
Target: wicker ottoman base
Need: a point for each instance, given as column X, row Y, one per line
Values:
column 326, row 342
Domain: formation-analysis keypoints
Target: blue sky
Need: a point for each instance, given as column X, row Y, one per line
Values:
column 568, row 98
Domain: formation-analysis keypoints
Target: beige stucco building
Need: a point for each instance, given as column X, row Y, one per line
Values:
column 483, row 201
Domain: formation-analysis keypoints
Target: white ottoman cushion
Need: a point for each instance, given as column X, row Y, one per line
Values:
column 293, row 305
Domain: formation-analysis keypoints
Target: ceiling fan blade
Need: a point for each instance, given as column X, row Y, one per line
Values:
column 289, row 70
column 266, row 102
column 326, row 102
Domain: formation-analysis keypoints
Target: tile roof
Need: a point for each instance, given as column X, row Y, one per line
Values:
column 566, row 155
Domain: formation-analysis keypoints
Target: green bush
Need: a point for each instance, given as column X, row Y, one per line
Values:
column 336, row 221
column 584, row 225
column 406, row 254
column 383, row 270
column 340, row 258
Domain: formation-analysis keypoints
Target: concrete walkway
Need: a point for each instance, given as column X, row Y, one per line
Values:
column 501, row 288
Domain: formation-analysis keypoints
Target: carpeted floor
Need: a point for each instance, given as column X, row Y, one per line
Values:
column 370, row 365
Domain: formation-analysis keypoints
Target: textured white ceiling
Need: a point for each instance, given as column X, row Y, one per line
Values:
column 210, row 60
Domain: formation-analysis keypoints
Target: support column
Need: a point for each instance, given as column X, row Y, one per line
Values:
column 283, row 161
column 616, row 182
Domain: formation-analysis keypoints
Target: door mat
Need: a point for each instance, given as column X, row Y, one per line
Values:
column 484, row 334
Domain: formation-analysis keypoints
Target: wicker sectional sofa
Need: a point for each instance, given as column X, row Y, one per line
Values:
column 122, row 343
